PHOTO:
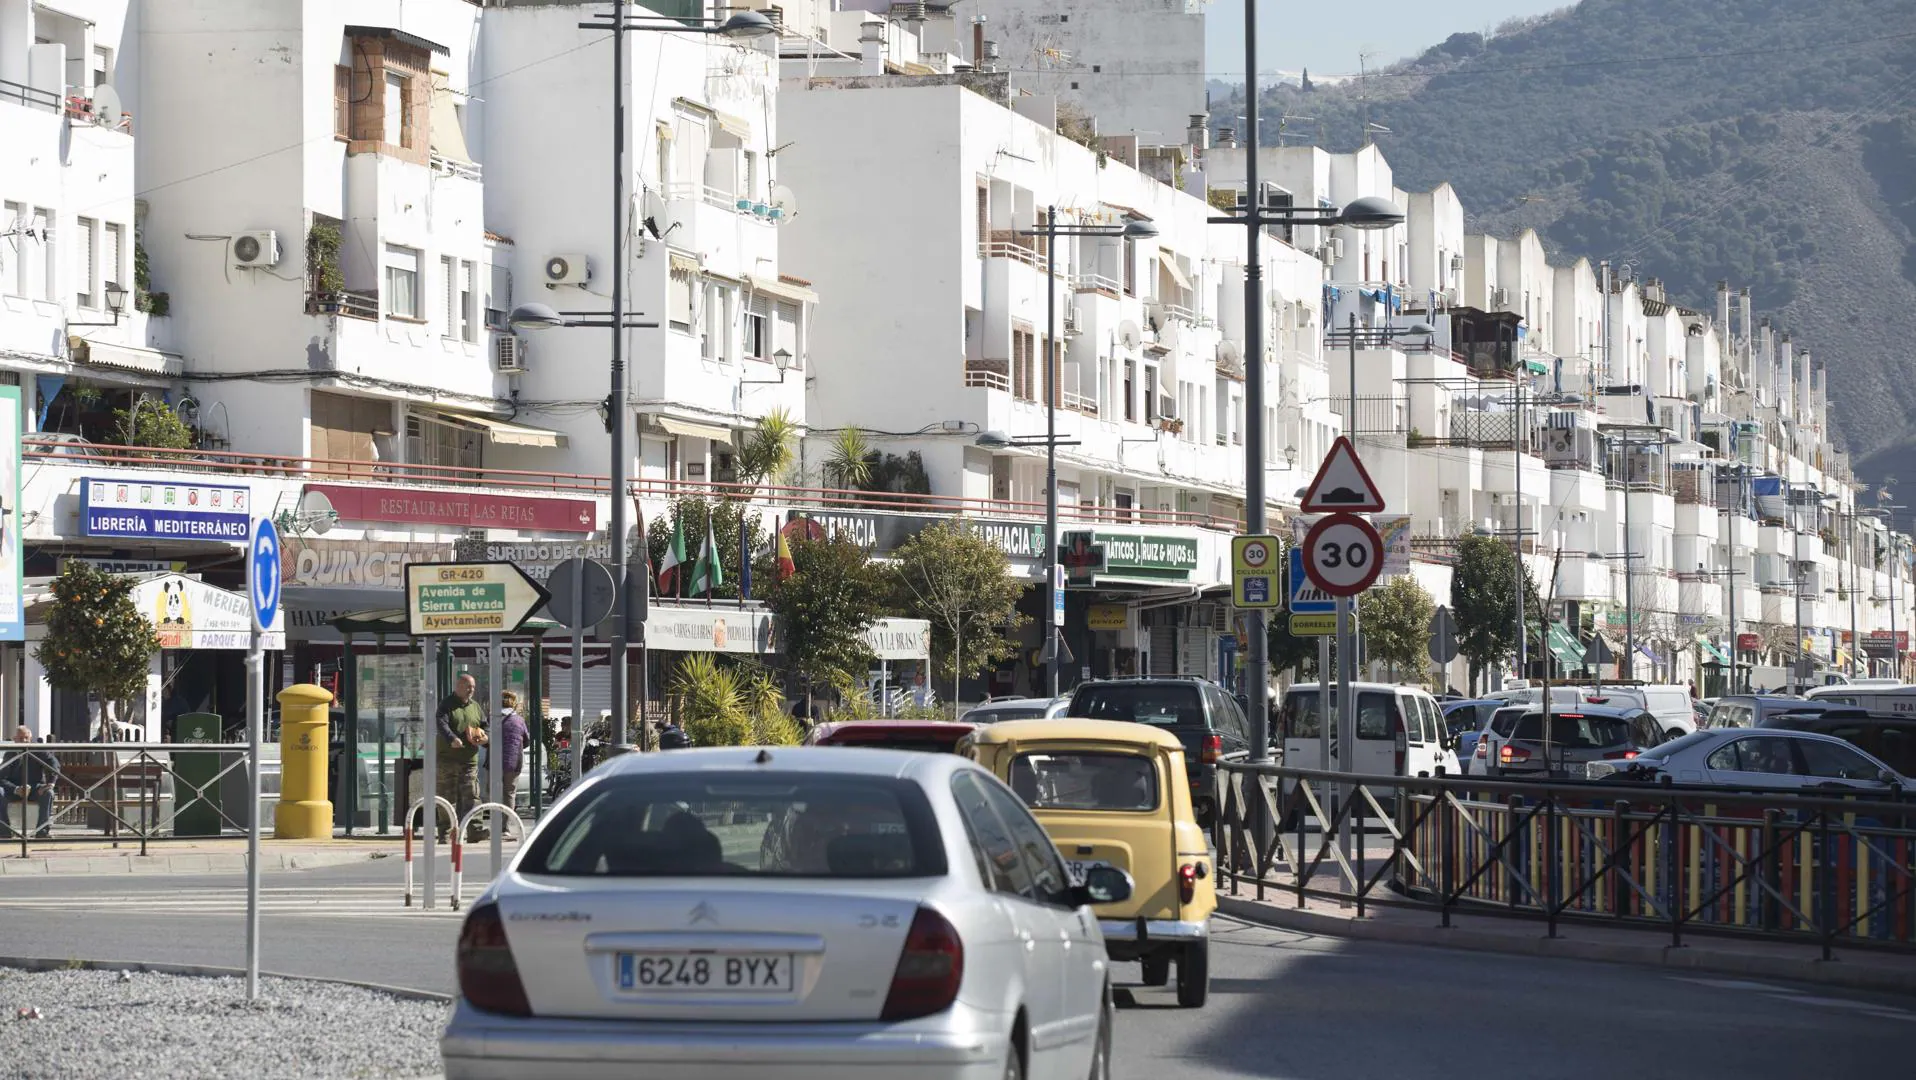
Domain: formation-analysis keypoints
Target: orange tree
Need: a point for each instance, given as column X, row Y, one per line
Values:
column 97, row 641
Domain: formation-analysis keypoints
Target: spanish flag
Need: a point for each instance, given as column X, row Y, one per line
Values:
column 786, row 568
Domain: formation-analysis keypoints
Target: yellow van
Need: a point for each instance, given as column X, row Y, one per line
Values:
column 1117, row 794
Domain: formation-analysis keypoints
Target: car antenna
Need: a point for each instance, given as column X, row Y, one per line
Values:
column 764, row 757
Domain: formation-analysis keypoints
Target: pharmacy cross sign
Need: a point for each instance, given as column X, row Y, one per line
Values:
column 1081, row 558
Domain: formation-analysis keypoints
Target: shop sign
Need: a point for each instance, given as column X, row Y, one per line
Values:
column 156, row 510
column 725, row 630
column 1395, row 531
column 1749, row 642
column 461, row 509
column 369, row 564
column 128, row 567
column 1108, row 616
column 1146, row 555
column 538, row 557
column 187, row 613
column 882, row 533
column 899, row 639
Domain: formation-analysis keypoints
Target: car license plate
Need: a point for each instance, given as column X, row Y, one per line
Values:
column 1077, row 868
column 702, row 972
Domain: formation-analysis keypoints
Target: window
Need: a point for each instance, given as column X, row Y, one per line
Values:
column 402, row 282
column 817, row 825
column 678, row 301
column 1150, row 394
column 984, row 217
column 398, row 109
column 343, row 101
column 102, row 68
column 991, row 842
column 1050, row 883
column 1766, row 754
column 1024, row 346
column 347, row 428
column 468, row 299
column 1835, row 761
column 112, row 252
column 1896, row 745
column 1086, row 781
column 499, row 295
column 14, row 226
column 84, row 237
column 449, row 285
column 442, row 445
column 748, row 179
column 1158, row 704
column 1129, row 253
column 1130, row 391
column 715, row 330
column 757, row 329
column 785, row 329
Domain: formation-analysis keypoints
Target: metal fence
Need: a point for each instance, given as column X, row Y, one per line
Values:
column 120, row 793
column 1820, row 869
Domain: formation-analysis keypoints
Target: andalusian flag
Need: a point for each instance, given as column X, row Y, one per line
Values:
column 674, row 558
column 707, row 575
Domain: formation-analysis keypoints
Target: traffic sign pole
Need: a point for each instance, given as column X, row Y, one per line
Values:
column 1346, row 721
column 262, row 591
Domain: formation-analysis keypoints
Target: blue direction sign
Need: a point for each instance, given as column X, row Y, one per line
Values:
column 1306, row 597
column 263, row 570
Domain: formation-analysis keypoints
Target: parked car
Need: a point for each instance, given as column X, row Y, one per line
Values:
column 1464, row 721
column 1576, row 737
column 1759, row 758
column 1112, row 795
column 1890, row 738
column 786, row 912
column 1495, row 731
column 1400, row 731
column 1750, row 710
column 991, row 712
column 933, row 736
column 1671, row 704
column 1199, row 713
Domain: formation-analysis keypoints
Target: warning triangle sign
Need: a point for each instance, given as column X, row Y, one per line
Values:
column 1342, row 484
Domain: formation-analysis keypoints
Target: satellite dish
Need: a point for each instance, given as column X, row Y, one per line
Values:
column 316, row 510
column 784, row 203
column 1128, row 334
column 106, row 105
column 1229, row 354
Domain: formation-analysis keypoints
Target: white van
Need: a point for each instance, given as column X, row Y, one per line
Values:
column 1669, row 703
column 1400, row 731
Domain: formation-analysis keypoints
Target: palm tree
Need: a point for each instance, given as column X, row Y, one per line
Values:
column 769, row 451
column 849, row 464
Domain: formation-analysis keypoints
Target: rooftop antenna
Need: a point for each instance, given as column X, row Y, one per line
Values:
column 1363, row 91
column 1283, row 124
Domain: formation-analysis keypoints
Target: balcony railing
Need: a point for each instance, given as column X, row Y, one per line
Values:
column 1098, row 283
column 1078, row 403
column 985, row 378
column 465, row 170
column 1010, row 244
column 1374, row 415
column 237, row 464
column 31, row 97
column 353, row 303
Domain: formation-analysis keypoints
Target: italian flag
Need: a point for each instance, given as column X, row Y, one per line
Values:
column 674, row 558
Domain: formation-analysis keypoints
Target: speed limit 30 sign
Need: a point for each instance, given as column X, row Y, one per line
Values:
column 1343, row 554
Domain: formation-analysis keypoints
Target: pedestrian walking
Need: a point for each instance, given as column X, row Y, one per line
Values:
column 462, row 731
column 26, row 777
column 513, row 737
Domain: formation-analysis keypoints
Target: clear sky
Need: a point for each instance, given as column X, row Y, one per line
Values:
column 1327, row 38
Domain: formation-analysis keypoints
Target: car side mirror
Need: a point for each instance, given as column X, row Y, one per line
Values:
column 1103, row 885
column 1888, row 776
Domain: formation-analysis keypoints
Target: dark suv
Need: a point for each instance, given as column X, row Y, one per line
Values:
column 1892, row 739
column 1204, row 717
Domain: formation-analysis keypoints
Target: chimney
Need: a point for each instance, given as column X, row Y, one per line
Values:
column 1198, row 132
column 978, row 42
column 1226, row 136
column 1723, row 311
column 871, row 47
column 1743, row 315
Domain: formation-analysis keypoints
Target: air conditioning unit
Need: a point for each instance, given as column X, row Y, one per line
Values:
column 1073, row 324
column 1499, row 297
column 509, row 354
column 1167, row 407
column 259, row 248
column 1333, row 250
column 567, row 270
column 1456, row 264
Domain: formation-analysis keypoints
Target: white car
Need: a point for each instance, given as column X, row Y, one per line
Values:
column 785, row 913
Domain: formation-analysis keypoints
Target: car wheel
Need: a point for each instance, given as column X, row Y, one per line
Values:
column 1194, row 974
column 1157, row 969
column 1101, row 1049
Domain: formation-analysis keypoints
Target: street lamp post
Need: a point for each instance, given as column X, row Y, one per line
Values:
column 1131, row 230
column 743, row 25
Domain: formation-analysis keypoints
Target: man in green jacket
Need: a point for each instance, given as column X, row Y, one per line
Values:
column 462, row 731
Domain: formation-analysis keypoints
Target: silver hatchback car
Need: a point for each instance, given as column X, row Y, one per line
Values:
column 1759, row 758
column 810, row 913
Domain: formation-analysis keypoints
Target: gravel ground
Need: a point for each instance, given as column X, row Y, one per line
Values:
column 102, row 1025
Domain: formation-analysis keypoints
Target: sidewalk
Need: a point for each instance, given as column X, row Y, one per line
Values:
column 1853, row 968
column 212, row 856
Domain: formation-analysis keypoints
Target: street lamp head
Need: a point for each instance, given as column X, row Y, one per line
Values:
column 745, row 24
column 1370, row 212
column 992, row 439
column 1420, row 329
column 1139, row 230
column 534, row 317
column 1290, row 456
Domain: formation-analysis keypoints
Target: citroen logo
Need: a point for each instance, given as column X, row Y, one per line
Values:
column 702, row 914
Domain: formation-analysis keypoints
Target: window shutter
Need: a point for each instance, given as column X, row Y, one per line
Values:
column 785, row 333
column 112, row 269
column 499, row 297
column 343, row 101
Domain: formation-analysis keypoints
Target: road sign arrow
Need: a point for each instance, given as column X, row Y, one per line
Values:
column 1443, row 636
column 1342, row 484
column 444, row 599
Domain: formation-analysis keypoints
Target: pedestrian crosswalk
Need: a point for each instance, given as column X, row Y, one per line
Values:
column 304, row 902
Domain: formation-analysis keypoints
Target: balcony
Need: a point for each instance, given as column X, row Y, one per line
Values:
column 464, row 170
column 1014, row 245
column 30, row 97
column 1097, row 283
column 1582, row 577
column 352, row 303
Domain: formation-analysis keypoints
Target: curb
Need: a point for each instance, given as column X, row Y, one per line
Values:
column 31, row 963
column 214, row 863
column 1809, row 969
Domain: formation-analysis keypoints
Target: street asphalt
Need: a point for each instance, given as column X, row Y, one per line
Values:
column 1283, row 1005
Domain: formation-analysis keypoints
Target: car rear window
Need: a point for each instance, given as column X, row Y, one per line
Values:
column 994, row 716
column 1145, row 703
column 1085, row 781
column 1375, row 712
column 768, row 824
column 1574, row 731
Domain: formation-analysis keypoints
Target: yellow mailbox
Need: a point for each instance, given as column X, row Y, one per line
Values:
column 304, row 812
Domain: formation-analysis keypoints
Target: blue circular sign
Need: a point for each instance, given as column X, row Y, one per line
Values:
column 265, row 573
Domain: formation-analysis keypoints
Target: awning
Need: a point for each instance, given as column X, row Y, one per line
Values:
column 1716, row 655
column 1565, row 647
column 734, row 125
column 501, row 432
column 447, row 138
column 125, row 357
column 785, row 289
column 1169, row 262
column 692, row 429
column 682, row 264
column 1536, row 367
column 390, row 34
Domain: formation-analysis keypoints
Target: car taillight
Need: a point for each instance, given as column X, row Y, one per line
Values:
column 1512, row 755
column 1483, row 748
column 1624, row 755
column 488, row 976
column 929, row 970
column 1213, row 746
column 1187, row 882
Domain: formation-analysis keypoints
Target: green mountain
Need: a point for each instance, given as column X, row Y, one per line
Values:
column 1769, row 142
